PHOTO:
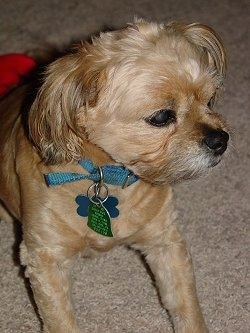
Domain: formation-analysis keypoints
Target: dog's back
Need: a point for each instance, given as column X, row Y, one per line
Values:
column 11, row 135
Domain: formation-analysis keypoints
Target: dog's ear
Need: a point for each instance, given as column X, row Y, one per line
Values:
column 206, row 38
column 210, row 44
column 57, row 116
column 198, row 34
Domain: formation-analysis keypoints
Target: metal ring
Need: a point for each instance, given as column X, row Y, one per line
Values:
column 101, row 177
column 99, row 183
column 96, row 198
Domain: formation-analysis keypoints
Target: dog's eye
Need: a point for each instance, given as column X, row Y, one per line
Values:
column 161, row 118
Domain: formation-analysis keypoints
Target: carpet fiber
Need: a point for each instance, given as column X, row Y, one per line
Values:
column 114, row 293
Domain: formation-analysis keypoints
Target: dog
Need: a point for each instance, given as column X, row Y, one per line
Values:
column 91, row 165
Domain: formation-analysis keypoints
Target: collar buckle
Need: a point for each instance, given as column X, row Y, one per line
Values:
column 126, row 183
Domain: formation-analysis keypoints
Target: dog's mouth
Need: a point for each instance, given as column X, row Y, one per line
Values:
column 214, row 163
column 182, row 162
column 184, row 167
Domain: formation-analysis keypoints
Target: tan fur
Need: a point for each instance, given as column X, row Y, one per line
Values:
column 94, row 103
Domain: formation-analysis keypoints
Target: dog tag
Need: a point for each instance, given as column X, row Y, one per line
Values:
column 110, row 204
column 99, row 219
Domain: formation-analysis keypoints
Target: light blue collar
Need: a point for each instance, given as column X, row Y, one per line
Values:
column 112, row 174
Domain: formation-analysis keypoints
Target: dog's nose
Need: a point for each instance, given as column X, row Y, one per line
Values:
column 216, row 140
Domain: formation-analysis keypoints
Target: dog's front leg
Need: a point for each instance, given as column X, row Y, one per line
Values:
column 171, row 265
column 50, row 282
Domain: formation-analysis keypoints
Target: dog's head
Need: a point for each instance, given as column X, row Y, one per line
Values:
column 144, row 95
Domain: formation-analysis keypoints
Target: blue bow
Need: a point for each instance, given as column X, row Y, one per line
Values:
column 112, row 174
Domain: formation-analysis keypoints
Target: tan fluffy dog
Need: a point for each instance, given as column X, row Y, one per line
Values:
column 141, row 98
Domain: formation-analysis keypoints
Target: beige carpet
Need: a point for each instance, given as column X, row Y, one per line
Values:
column 114, row 293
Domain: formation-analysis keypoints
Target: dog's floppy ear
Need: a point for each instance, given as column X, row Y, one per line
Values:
column 57, row 116
column 206, row 38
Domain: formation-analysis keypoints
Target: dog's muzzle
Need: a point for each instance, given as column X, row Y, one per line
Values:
column 216, row 141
